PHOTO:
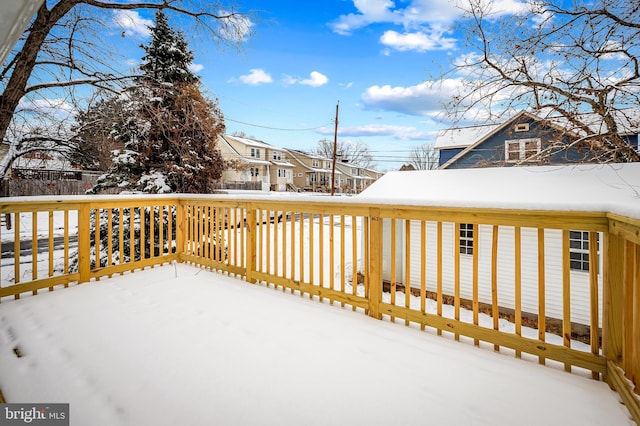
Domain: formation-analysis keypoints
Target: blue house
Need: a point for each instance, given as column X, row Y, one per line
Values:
column 526, row 139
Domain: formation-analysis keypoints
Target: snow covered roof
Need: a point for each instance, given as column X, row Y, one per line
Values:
column 628, row 121
column 587, row 187
column 253, row 142
column 282, row 163
column 462, row 137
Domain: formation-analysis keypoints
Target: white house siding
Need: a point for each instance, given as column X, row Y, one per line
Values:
column 580, row 292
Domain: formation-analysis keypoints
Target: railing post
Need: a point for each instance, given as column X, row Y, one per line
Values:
column 84, row 243
column 251, row 243
column 613, row 299
column 180, row 227
column 375, row 263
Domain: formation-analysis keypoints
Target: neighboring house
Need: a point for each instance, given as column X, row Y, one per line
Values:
column 256, row 161
column 525, row 139
column 313, row 172
column 355, row 178
column 42, row 173
column 493, row 188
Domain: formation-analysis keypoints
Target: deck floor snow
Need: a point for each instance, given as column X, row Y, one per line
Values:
column 182, row 345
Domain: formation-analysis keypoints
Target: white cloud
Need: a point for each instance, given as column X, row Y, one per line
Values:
column 396, row 132
column 256, row 76
column 424, row 99
column 419, row 41
column 196, row 68
column 415, row 14
column 316, row 79
column 132, row 23
column 237, row 28
column 53, row 107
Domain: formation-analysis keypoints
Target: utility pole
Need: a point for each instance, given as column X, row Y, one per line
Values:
column 335, row 148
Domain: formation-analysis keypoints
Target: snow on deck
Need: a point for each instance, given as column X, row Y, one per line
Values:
column 181, row 345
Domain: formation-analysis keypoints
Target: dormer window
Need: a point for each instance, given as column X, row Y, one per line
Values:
column 277, row 155
column 255, row 152
column 315, row 163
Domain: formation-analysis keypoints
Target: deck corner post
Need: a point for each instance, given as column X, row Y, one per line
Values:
column 613, row 303
column 375, row 262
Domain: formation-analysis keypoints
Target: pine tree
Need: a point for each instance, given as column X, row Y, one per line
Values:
column 166, row 132
column 167, row 56
column 170, row 131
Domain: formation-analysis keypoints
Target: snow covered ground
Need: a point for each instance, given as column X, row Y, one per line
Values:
column 181, row 345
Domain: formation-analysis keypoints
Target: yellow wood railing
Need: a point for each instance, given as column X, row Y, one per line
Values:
column 503, row 278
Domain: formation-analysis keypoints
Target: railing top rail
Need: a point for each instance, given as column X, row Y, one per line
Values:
column 593, row 220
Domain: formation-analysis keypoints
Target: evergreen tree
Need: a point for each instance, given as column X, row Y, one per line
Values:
column 165, row 132
column 169, row 130
column 167, row 56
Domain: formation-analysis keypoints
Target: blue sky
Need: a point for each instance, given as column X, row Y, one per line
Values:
column 375, row 57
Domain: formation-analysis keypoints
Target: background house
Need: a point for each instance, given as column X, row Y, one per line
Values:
column 265, row 166
column 526, row 139
column 313, row 172
column 355, row 178
column 46, row 173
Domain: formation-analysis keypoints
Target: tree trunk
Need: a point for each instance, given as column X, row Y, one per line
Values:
column 25, row 61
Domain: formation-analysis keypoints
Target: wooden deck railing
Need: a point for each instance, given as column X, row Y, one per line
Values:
column 559, row 287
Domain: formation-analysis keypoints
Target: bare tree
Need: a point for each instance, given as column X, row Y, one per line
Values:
column 424, row 157
column 352, row 152
column 575, row 64
column 63, row 49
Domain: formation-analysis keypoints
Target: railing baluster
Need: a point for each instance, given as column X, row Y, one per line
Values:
column 542, row 313
column 518, row 283
column 407, row 266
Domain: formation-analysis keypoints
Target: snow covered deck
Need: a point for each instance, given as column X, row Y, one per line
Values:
column 181, row 345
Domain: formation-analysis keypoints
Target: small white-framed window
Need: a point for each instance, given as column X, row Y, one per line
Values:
column 300, row 175
column 521, row 149
column 255, row 171
column 282, row 173
column 315, row 163
column 521, row 127
column 466, row 238
column 327, row 164
column 277, row 155
column 255, row 152
column 579, row 250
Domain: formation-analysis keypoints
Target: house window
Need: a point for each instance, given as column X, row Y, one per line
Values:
column 277, row 156
column 466, row 238
column 255, row 171
column 282, row 173
column 521, row 149
column 521, row 127
column 579, row 250
column 315, row 163
column 327, row 164
column 255, row 152
column 299, row 174
column 312, row 177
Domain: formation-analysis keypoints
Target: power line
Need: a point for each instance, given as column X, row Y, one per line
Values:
column 275, row 128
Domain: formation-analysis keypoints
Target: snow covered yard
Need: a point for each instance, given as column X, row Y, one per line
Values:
column 182, row 345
